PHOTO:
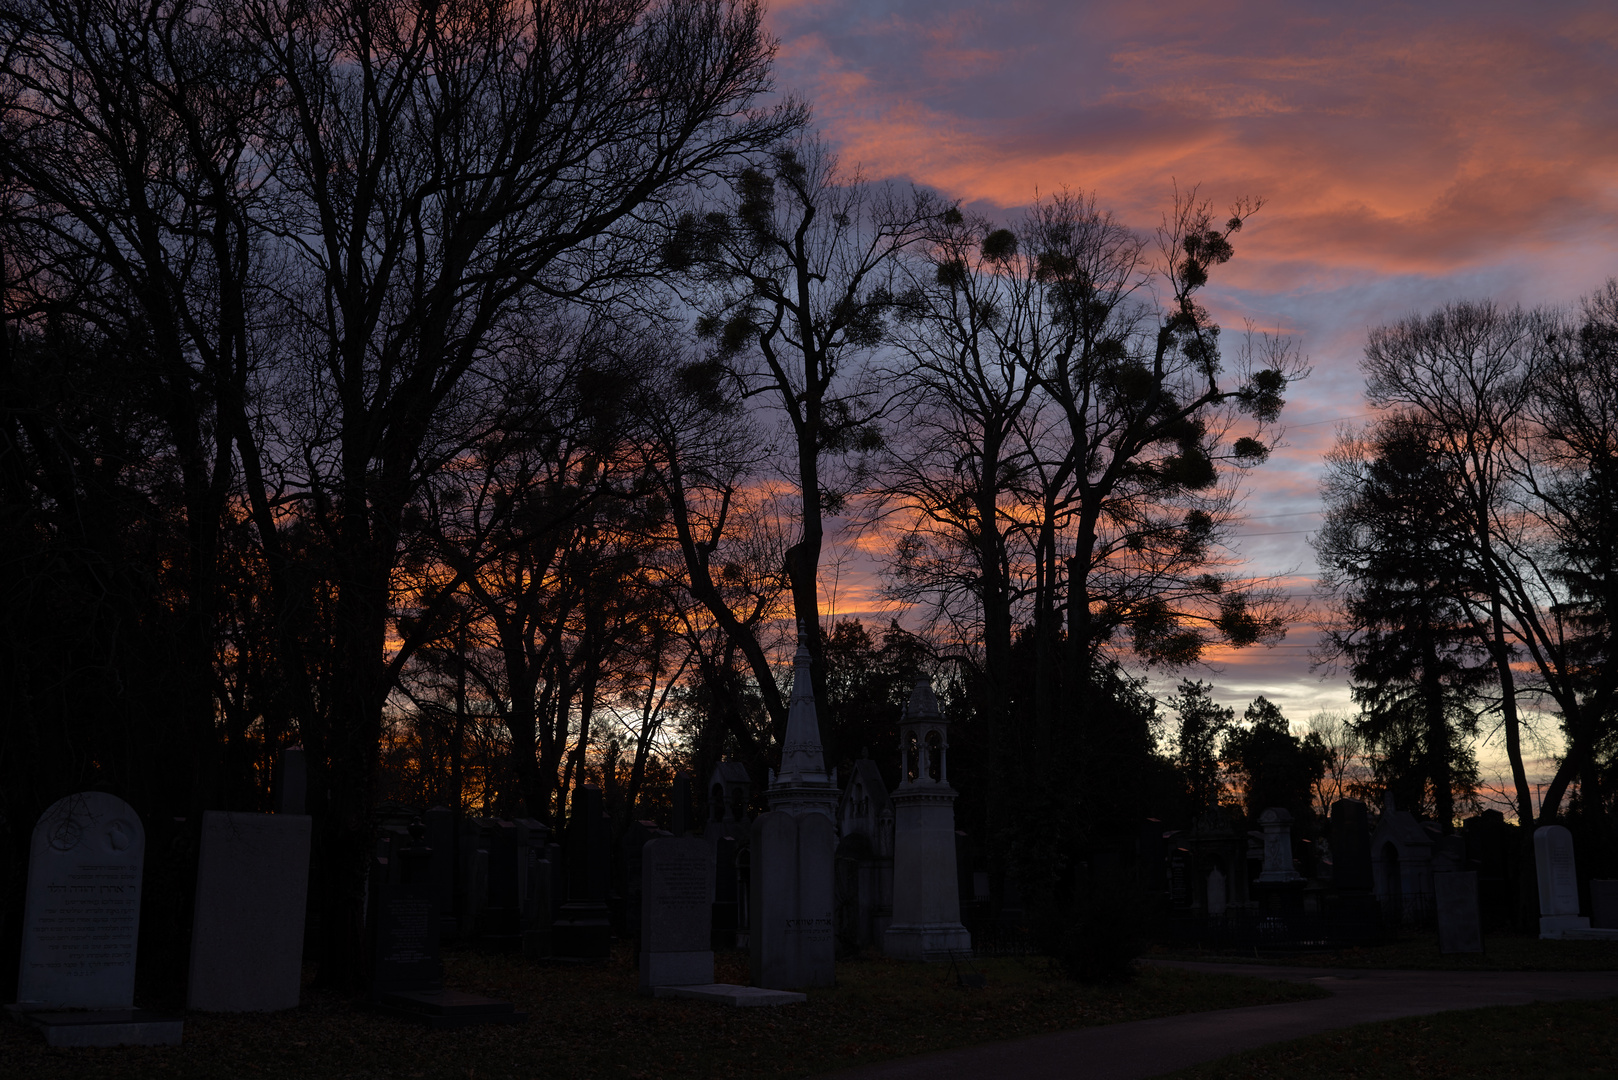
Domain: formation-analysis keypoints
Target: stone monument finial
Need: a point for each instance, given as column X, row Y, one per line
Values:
column 803, row 784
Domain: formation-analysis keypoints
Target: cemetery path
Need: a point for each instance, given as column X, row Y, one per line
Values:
column 1147, row 1048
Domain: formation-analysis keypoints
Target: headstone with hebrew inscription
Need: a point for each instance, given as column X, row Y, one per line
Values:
column 1558, row 882
column 81, row 915
column 676, row 912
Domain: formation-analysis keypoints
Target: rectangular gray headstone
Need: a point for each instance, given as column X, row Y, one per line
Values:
column 405, row 935
column 1455, row 898
column 292, row 782
column 676, row 912
column 81, row 911
column 247, row 934
column 792, row 901
column 1558, row 879
column 1603, row 904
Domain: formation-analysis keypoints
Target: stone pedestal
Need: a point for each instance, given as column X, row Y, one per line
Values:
column 791, row 901
column 926, row 902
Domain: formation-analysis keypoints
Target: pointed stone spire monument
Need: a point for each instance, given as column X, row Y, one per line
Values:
column 802, row 785
column 793, row 855
column 926, row 895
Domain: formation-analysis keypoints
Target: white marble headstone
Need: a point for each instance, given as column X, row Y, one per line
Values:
column 247, row 927
column 81, row 915
column 676, row 922
column 1558, row 881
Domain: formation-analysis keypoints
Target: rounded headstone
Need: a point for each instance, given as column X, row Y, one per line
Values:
column 81, row 915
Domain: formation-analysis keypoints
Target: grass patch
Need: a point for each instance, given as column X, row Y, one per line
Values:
column 1501, row 952
column 589, row 1022
column 1554, row 1041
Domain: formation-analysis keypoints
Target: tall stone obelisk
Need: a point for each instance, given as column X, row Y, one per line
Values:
column 793, row 854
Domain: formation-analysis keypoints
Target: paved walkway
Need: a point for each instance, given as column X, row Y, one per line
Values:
column 1148, row 1048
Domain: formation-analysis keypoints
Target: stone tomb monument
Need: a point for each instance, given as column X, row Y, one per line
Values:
column 81, row 921
column 247, row 934
column 1460, row 921
column 926, row 895
column 790, row 938
column 1558, row 882
column 792, row 855
column 676, row 920
column 1276, row 824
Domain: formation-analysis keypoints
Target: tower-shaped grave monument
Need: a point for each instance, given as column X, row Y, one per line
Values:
column 926, row 898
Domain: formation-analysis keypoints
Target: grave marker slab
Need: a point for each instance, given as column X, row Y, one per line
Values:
column 81, row 916
column 1603, row 904
column 1350, row 846
column 1460, row 922
column 247, row 933
column 407, row 978
column 676, row 913
column 1558, row 882
column 81, row 923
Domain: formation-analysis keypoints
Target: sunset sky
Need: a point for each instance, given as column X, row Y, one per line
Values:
column 1409, row 155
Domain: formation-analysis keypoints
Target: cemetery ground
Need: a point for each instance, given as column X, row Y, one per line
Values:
column 1502, row 951
column 1549, row 1041
column 589, row 1021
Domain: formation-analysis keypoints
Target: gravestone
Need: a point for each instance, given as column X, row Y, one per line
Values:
column 582, row 929
column 683, row 816
column 1558, row 882
column 81, row 921
column 473, row 882
column 1278, row 869
column 291, row 782
column 1217, row 897
column 500, row 928
column 1350, row 846
column 926, row 922
column 1603, row 904
column 247, row 931
column 724, row 894
column 407, row 978
column 630, row 845
column 534, row 886
column 791, row 900
column 676, row 920
column 404, row 926
column 1460, row 921
column 440, row 821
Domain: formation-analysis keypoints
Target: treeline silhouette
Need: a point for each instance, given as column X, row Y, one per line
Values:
column 462, row 391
